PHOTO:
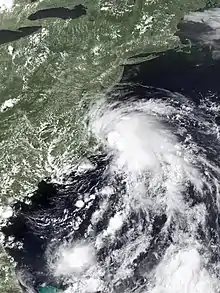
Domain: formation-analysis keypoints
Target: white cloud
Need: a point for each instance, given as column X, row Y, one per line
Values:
column 6, row 4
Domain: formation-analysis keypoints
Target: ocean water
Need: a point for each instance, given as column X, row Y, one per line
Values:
column 131, row 147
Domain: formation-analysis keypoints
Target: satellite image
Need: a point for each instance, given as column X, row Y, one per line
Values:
column 109, row 146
